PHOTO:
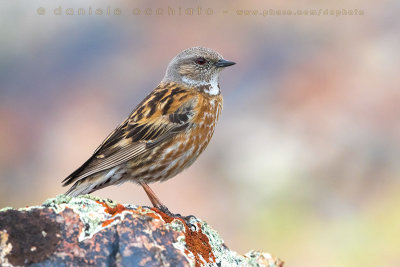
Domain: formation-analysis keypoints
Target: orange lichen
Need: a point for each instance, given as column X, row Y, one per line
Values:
column 107, row 222
column 163, row 215
column 152, row 215
column 120, row 208
column 112, row 210
column 196, row 241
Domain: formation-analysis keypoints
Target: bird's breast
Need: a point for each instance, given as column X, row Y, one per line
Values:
column 173, row 156
column 207, row 113
column 184, row 149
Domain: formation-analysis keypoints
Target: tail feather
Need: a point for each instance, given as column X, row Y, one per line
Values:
column 80, row 188
column 95, row 182
column 73, row 176
column 86, row 186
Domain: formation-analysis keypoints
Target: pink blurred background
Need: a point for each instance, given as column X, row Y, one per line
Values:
column 305, row 160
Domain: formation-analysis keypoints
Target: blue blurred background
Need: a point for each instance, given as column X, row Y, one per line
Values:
column 305, row 160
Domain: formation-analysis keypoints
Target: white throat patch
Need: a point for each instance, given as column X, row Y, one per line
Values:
column 213, row 89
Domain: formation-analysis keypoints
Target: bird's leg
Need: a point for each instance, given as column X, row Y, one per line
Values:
column 156, row 201
column 152, row 196
column 158, row 204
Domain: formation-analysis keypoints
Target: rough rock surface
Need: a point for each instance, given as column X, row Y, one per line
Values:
column 87, row 230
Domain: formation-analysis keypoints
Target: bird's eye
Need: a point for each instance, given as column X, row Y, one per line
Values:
column 201, row 60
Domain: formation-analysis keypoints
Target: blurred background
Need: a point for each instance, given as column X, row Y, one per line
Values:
column 305, row 160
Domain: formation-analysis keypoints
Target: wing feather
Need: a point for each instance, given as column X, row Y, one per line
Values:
column 139, row 133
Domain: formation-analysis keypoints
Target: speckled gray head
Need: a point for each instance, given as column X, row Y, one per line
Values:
column 196, row 66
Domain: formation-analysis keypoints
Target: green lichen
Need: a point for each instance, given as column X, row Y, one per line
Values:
column 176, row 225
column 255, row 257
column 227, row 257
column 223, row 255
column 56, row 203
column 90, row 212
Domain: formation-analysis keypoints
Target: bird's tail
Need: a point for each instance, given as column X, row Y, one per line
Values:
column 86, row 186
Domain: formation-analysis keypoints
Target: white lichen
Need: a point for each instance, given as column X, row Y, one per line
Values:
column 6, row 208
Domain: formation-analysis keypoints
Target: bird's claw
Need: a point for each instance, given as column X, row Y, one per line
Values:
column 186, row 219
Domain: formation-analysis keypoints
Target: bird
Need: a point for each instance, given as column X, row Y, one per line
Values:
column 164, row 134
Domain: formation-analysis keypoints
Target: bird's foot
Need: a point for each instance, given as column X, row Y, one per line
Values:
column 186, row 219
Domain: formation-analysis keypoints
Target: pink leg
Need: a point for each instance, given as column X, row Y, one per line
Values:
column 152, row 196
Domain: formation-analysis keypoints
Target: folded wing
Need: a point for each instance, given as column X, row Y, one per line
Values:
column 150, row 124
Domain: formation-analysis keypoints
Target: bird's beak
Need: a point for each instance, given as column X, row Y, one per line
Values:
column 222, row 63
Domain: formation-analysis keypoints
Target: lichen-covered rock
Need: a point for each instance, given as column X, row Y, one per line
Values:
column 87, row 230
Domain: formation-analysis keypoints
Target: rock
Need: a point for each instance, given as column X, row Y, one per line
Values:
column 87, row 230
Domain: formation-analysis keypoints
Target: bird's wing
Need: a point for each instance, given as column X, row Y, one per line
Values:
column 166, row 112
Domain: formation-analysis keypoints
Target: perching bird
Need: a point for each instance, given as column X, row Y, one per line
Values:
column 164, row 134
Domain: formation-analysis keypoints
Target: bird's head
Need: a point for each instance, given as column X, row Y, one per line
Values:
column 196, row 66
